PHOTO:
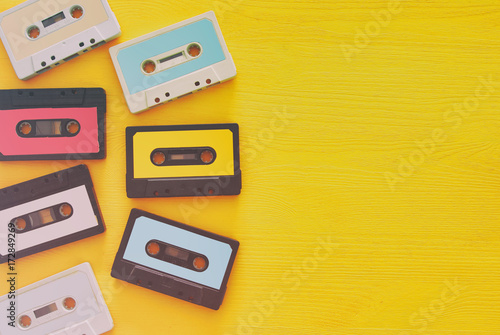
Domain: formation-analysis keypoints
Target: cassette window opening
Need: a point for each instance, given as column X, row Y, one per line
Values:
column 53, row 19
column 48, row 128
column 183, row 156
column 43, row 217
column 178, row 256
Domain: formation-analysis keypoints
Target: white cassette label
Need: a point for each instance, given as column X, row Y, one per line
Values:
column 83, row 218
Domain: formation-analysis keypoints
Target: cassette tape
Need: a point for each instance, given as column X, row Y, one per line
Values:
column 42, row 34
column 67, row 303
column 48, row 212
column 185, row 160
column 172, row 62
column 43, row 124
column 175, row 259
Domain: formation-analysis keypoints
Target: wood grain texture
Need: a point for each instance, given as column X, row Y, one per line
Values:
column 370, row 158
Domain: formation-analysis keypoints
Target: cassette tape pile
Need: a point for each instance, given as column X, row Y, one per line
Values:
column 175, row 259
column 172, row 62
column 39, row 35
column 49, row 124
column 161, row 161
column 67, row 303
column 185, row 160
column 49, row 211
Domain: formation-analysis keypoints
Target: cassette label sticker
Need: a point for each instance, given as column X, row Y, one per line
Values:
column 190, row 160
column 172, row 62
column 67, row 303
column 50, row 124
column 49, row 211
column 175, row 259
column 39, row 35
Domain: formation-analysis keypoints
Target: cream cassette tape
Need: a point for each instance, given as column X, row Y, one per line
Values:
column 172, row 62
column 67, row 303
column 42, row 34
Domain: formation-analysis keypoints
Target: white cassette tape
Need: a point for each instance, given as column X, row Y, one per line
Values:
column 172, row 62
column 67, row 303
column 42, row 34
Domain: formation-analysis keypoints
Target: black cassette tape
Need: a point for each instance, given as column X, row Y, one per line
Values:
column 52, row 124
column 48, row 212
column 175, row 259
column 184, row 160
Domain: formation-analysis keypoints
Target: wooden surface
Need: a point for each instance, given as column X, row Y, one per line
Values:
column 370, row 157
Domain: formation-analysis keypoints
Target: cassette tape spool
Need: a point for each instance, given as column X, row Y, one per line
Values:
column 172, row 62
column 39, row 34
column 51, row 124
column 185, row 160
column 49, row 211
column 67, row 303
column 175, row 259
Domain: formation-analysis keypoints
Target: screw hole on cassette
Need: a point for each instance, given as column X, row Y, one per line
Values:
column 25, row 321
column 44, row 64
column 211, row 191
column 76, row 12
column 197, row 83
column 209, row 81
column 53, row 57
column 74, row 91
column 33, row 32
column 81, row 44
column 157, row 100
column 167, row 94
column 92, row 41
column 156, row 193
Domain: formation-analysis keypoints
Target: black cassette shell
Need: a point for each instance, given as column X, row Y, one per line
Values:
column 183, row 186
column 165, row 283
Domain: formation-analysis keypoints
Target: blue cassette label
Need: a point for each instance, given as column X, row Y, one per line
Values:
column 131, row 58
column 146, row 229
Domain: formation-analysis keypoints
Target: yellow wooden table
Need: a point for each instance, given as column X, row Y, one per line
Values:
column 370, row 155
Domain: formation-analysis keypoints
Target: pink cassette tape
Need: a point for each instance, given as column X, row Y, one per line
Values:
column 52, row 124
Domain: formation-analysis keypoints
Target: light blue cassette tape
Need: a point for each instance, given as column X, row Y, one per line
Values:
column 172, row 62
column 175, row 259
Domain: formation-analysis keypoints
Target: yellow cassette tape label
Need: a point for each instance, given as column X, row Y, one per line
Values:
column 145, row 143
